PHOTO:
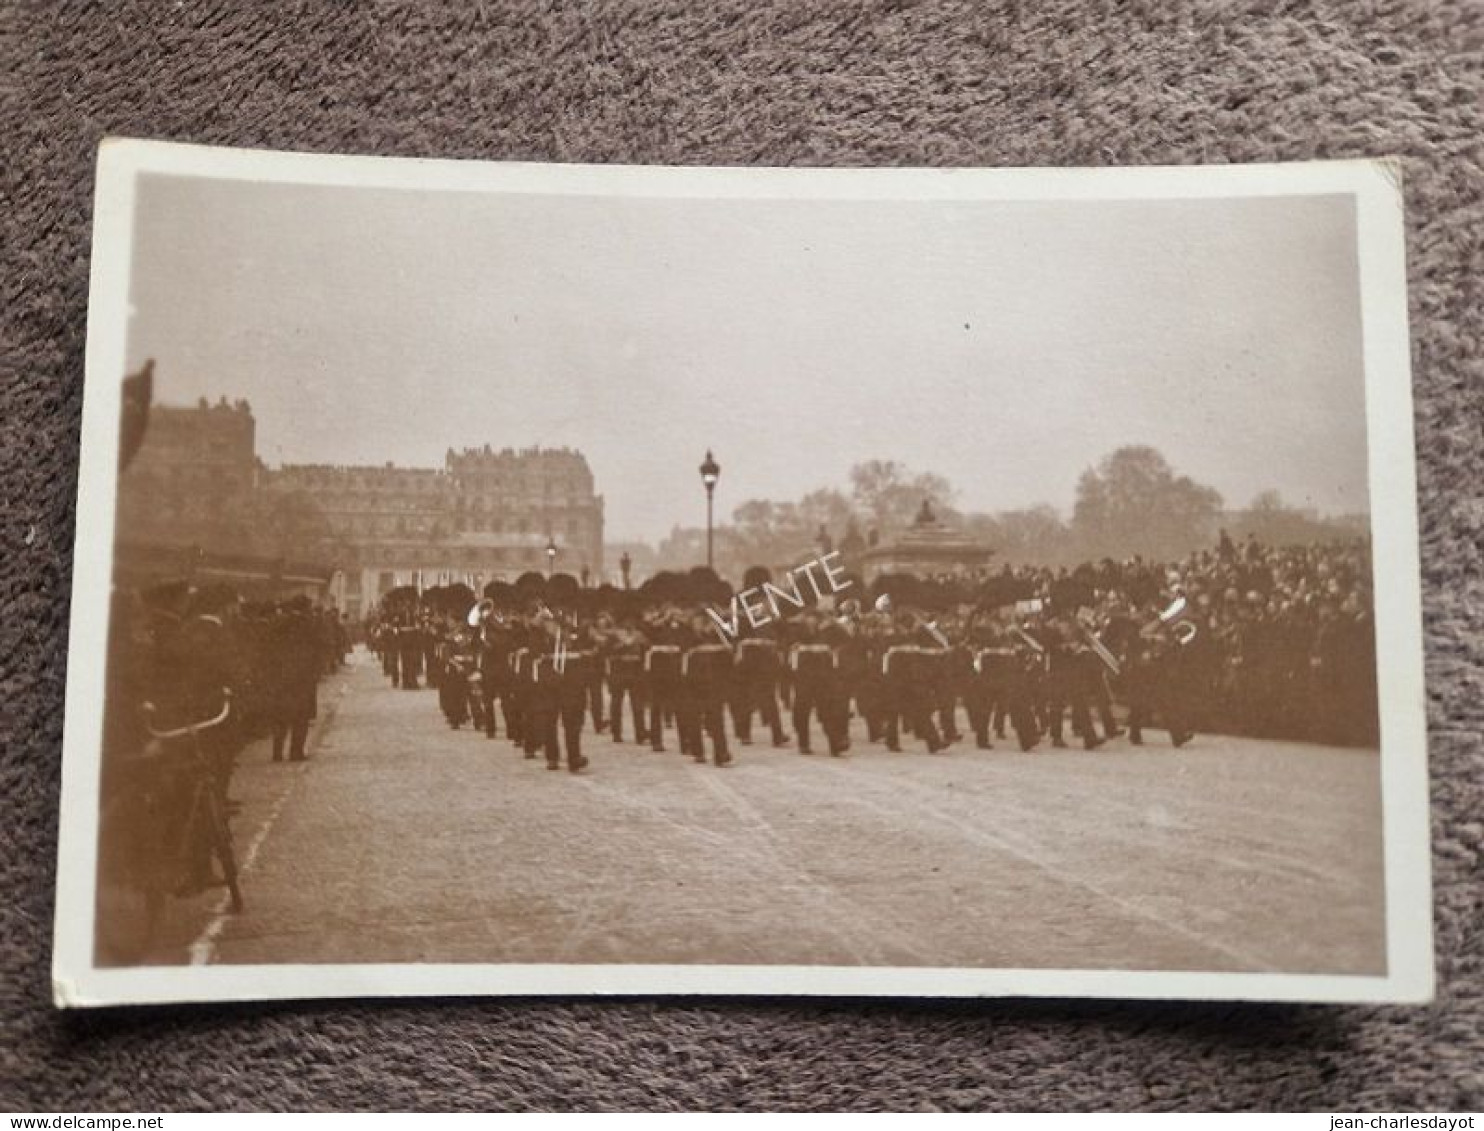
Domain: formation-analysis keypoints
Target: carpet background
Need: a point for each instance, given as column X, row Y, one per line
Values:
column 738, row 81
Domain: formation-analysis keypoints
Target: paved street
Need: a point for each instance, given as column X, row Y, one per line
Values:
column 403, row 841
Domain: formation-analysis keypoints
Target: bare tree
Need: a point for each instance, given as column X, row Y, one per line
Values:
column 889, row 494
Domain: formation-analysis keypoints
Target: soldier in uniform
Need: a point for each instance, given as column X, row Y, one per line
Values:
column 409, row 652
column 812, row 665
column 854, row 669
column 1098, row 673
column 759, row 669
column 1069, row 683
column 597, row 673
column 623, row 667
column 706, row 684
column 666, row 638
column 520, row 720
column 429, row 640
column 459, row 663
column 990, row 659
column 538, row 694
column 496, row 643
column 1155, row 685
column 536, row 697
column 867, row 681
column 908, row 666
column 955, row 676
column 384, row 643
column 1120, row 635
column 1024, row 687
column 560, row 677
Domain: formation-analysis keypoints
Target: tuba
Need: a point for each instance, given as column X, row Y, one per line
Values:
column 480, row 613
column 1184, row 631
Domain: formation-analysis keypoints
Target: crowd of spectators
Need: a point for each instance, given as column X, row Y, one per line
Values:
column 1284, row 646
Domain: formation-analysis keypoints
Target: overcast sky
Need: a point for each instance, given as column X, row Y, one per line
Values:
column 1006, row 346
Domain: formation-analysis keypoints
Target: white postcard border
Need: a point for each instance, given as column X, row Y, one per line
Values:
column 1376, row 189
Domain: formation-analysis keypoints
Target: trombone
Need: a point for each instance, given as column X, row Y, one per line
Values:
column 1099, row 649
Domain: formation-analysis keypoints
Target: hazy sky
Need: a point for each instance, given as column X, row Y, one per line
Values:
column 1007, row 346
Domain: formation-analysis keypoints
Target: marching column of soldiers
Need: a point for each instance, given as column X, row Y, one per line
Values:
column 1272, row 642
column 539, row 676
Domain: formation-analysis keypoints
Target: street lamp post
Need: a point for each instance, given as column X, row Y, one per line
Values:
column 710, row 473
column 625, row 564
column 551, row 553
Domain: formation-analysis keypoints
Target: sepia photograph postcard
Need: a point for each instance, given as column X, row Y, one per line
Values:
column 516, row 579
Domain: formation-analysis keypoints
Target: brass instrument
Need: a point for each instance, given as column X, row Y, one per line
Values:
column 1184, row 630
column 480, row 612
column 883, row 605
column 1099, row 649
column 1030, row 641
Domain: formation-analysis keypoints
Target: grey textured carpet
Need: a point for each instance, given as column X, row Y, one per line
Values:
column 740, row 81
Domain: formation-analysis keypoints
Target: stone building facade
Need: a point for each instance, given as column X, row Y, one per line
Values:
column 194, row 460
column 485, row 515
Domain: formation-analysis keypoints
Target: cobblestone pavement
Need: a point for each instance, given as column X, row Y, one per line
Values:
column 401, row 840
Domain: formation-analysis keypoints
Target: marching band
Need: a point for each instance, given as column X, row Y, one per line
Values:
column 539, row 661
column 1274, row 642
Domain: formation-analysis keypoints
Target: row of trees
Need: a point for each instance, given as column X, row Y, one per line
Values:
column 1131, row 502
